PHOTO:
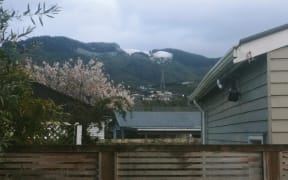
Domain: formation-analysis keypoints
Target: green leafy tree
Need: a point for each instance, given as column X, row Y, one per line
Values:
column 23, row 118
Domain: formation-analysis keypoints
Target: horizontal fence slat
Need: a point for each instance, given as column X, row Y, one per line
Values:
column 46, row 160
column 190, row 178
column 186, row 166
column 52, row 177
column 187, row 154
column 47, row 166
column 224, row 172
column 56, row 172
column 26, row 154
column 159, row 154
column 159, row 173
column 160, row 178
column 185, row 160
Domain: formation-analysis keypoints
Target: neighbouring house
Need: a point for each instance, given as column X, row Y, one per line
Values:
column 80, row 112
column 96, row 132
column 158, row 125
column 244, row 97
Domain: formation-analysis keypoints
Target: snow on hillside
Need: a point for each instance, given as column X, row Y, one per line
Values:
column 163, row 55
column 132, row 51
column 159, row 57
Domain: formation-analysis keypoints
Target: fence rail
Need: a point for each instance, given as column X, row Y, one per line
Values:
column 149, row 161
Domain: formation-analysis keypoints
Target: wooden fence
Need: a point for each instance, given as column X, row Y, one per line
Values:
column 153, row 162
column 196, row 165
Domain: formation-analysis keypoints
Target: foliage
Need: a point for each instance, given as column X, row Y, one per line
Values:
column 7, row 16
column 86, row 83
column 22, row 117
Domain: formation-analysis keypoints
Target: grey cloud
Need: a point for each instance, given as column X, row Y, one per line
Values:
column 206, row 27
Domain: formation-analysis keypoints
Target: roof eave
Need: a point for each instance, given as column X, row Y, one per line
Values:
column 248, row 48
column 261, row 45
column 211, row 77
column 263, row 34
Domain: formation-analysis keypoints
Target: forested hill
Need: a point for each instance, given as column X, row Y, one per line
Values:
column 130, row 66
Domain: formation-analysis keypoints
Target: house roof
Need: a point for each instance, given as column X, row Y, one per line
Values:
column 264, row 33
column 80, row 111
column 247, row 48
column 160, row 120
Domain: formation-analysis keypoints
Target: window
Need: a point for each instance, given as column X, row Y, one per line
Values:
column 255, row 140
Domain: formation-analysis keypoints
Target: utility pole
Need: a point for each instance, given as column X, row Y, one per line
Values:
column 162, row 82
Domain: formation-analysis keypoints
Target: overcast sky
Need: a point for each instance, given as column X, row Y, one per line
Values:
column 207, row 27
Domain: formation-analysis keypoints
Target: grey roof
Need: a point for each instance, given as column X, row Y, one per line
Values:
column 226, row 64
column 160, row 120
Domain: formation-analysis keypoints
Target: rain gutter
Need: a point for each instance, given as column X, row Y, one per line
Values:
column 211, row 77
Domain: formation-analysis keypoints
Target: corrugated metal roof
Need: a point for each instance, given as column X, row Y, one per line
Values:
column 160, row 120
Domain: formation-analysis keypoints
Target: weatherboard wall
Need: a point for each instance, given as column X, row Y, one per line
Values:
column 278, row 95
column 230, row 122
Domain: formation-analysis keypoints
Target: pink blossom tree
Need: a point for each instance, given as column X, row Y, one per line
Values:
column 84, row 82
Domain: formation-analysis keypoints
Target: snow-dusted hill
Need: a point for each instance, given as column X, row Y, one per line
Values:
column 132, row 66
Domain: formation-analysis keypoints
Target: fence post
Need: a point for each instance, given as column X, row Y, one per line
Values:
column 271, row 165
column 78, row 134
column 107, row 165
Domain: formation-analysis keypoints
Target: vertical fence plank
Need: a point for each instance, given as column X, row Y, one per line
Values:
column 284, row 165
column 204, row 165
column 107, row 165
column 272, row 165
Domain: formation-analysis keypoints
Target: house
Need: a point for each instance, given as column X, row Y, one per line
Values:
column 79, row 112
column 244, row 97
column 96, row 132
column 158, row 125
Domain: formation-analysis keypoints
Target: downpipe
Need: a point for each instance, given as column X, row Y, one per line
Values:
column 203, row 134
